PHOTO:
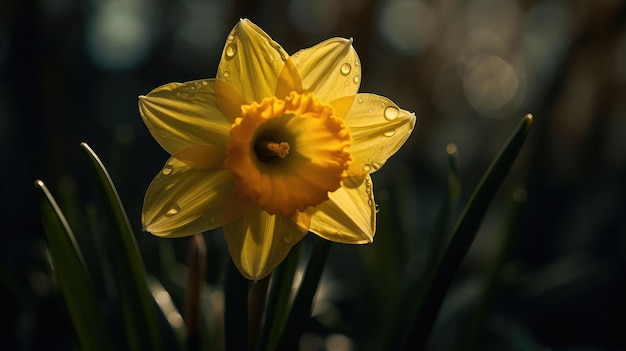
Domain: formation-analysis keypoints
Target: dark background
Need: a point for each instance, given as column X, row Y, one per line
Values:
column 71, row 71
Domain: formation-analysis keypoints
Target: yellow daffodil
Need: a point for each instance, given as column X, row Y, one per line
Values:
column 273, row 147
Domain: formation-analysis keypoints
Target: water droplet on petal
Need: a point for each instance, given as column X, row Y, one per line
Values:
column 345, row 69
column 360, row 100
column 231, row 37
column 377, row 208
column 231, row 50
column 356, row 79
column 376, row 165
column 389, row 133
column 172, row 211
column 226, row 74
column 204, row 82
column 356, row 63
column 391, row 113
column 367, row 167
column 167, row 170
column 288, row 239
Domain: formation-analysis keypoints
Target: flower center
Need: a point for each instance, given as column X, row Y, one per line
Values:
column 288, row 154
column 268, row 150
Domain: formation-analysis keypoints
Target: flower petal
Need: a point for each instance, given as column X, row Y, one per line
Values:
column 180, row 115
column 183, row 201
column 258, row 241
column 251, row 62
column 204, row 157
column 378, row 128
column 330, row 69
column 349, row 215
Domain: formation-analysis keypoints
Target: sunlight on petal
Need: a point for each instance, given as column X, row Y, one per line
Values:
column 349, row 216
column 251, row 62
column 330, row 69
column 379, row 128
column 180, row 115
column 182, row 201
column 258, row 241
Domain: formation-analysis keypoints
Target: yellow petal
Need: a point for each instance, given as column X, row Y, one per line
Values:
column 288, row 80
column 349, row 215
column 204, row 157
column 330, row 69
column 180, row 115
column 378, row 128
column 251, row 62
column 258, row 241
column 182, row 201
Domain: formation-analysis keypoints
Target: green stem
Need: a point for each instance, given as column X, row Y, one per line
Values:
column 195, row 284
column 236, row 310
column 258, row 297
column 300, row 314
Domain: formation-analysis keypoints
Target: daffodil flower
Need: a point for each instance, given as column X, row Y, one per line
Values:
column 273, row 147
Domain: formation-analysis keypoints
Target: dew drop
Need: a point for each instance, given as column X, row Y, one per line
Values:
column 172, row 211
column 391, row 113
column 167, row 170
column 367, row 167
column 360, row 100
column 356, row 79
column 377, row 208
column 226, row 74
column 345, row 69
column 369, row 110
column 287, row 239
column 389, row 133
column 231, row 50
column 231, row 37
column 376, row 165
column 204, row 82
column 356, row 63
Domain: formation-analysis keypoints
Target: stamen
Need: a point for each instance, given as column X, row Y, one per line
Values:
column 267, row 150
column 281, row 150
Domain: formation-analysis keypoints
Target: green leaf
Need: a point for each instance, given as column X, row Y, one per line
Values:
column 463, row 235
column 302, row 304
column 72, row 276
column 472, row 337
column 141, row 323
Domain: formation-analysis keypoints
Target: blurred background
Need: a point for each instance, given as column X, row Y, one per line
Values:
column 71, row 71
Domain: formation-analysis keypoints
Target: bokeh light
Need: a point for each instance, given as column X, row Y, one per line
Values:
column 410, row 26
column 120, row 33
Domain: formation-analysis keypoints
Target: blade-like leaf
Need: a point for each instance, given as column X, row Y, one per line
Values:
column 139, row 313
column 462, row 237
column 471, row 339
column 72, row 276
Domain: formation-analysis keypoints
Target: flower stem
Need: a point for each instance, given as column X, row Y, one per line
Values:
column 256, row 309
column 195, row 285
